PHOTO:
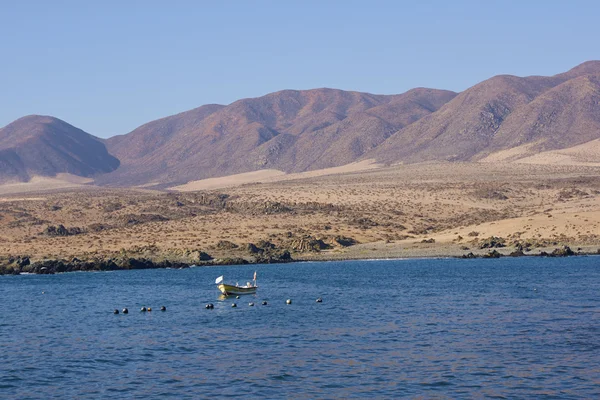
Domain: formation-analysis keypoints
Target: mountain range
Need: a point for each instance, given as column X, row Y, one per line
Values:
column 504, row 118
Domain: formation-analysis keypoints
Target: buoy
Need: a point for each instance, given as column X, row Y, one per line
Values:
column 143, row 309
column 207, row 306
column 212, row 305
column 125, row 311
column 237, row 297
column 233, row 305
column 251, row 304
column 149, row 308
column 116, row 311
column 319, row 300
column 163, row 308
column 288, row 301
column 264, row 303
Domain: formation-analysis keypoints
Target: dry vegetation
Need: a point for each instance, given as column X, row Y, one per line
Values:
column 401, row 211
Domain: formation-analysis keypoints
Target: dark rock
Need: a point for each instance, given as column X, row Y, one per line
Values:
column 97, row 227
column 492, row 254
column 492, row 242
column 22, row 262
column 563, row 252
column 517, row 253
column 265, row 245
column 253, row 249
column 274, row 257
column 308, row 243
column 60, row 230
column 230, row 261
column 75, row 264
column 344, row 241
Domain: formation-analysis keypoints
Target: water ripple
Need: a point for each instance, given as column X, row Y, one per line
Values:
column 417, row 329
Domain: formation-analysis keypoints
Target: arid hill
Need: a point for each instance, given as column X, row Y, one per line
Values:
column 501, row 113
column 505, row 118
column 45, row 146
column 289, row 130
column 565, row 116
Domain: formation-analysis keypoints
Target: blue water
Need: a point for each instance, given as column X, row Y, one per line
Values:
column 504, row 328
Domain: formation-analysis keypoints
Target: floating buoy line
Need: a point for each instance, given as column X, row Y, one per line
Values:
column 208, row 306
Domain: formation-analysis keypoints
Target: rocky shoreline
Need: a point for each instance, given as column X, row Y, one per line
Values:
column 147, row 257
column 20, row 265
column 25, row 265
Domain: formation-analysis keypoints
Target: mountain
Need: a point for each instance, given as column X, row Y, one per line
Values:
column 503, row 112
column 565, row 116
column 290, row 130
column 504, row 118
column 45, row 146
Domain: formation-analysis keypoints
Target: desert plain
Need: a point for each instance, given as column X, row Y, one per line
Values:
column 416, row 210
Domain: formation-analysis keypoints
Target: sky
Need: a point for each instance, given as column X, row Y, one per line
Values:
column 109, row 66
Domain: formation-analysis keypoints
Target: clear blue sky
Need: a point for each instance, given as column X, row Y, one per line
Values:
column 110, row 66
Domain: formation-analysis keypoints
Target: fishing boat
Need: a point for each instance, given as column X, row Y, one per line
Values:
column 229, row 290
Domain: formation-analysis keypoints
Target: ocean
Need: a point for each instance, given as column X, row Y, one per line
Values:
column 426, row 328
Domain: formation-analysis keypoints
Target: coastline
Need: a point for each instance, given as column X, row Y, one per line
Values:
column 399, row 212
column 24, row 265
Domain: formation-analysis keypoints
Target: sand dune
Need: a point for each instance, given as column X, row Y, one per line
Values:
column 228, row 181
column 271, row 175
column 583, row 154
column 586, row 154
column 42, row 183
column 509, row 154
